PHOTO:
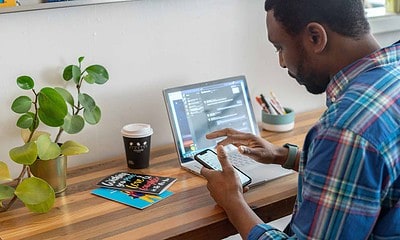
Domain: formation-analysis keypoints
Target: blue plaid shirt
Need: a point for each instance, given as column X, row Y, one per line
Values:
column 349, row 174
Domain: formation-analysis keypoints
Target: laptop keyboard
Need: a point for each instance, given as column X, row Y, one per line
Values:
column 239, row 160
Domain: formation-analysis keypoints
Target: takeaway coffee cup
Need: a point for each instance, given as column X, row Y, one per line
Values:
column 137, row 138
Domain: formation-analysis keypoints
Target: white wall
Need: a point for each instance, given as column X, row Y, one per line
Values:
column 146, row 46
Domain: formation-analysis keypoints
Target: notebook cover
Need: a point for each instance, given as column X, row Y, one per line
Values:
column 131, row 198
column 137, row 182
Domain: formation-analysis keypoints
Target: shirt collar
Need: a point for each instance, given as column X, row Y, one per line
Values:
column 340, row 81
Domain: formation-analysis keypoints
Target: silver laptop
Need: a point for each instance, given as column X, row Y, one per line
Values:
column 197, row 109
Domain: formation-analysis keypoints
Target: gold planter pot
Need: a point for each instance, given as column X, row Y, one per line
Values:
column 52, row 171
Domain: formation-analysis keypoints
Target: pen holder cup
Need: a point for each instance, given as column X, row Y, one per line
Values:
column 278, row 123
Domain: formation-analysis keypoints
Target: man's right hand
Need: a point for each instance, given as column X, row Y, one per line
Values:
column 250, row 145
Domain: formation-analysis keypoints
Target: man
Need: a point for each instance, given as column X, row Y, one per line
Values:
column 349, row 168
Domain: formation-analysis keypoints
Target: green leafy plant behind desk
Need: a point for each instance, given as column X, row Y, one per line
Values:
column 56, row 108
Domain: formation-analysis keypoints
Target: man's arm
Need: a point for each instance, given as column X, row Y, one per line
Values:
column 227, row 191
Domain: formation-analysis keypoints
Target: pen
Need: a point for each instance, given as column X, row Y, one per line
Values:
column 262, row 104
column 268, row 106
column 276, row 107
column 277, row 103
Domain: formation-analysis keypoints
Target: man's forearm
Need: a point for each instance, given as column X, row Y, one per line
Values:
column 242, row 216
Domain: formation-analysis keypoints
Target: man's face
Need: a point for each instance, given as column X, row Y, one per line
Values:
column 294, row 56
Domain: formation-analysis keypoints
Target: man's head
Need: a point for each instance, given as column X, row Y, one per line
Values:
column 345, row 17
column 309, row 33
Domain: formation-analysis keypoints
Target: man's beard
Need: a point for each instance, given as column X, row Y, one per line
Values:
column 314, row 83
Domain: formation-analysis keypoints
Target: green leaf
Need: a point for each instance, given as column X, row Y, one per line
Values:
column 43, row 207
column 46, row 119
column 89, row 79
column 6, row 192
column 21, row 104
column 25, row 154
column 25, row 82
column 86, row 101
column 36, row 194
column 92, row 116
column 72, row 72
column 52, row 107
column 26, row 121
column 46, row 148
column 25, row 135
column 73, row 124
column 66, row 95
column 4, row 172
column 97, row 74
column 73, row 148
column 80, row 59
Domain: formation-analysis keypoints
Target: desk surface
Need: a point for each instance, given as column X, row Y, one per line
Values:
column 189, row 214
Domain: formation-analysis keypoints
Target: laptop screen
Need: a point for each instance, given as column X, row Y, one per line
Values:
column 197, row 109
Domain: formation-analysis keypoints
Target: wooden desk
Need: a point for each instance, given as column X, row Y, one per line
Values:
column 189, row 214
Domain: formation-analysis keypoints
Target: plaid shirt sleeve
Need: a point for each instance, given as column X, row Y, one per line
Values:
column 341, row 187
column 336, row 201
column 265, row 231
column 341, row 191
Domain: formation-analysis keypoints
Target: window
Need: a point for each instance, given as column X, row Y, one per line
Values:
column 375, row 8
column 374, row 3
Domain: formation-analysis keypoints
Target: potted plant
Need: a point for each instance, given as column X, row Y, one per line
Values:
column 43, row 159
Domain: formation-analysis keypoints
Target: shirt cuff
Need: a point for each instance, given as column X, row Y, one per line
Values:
column 265, row 231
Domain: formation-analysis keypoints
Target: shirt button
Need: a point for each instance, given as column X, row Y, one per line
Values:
column 333, row 99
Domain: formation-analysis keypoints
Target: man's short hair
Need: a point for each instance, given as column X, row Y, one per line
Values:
column 346, row 17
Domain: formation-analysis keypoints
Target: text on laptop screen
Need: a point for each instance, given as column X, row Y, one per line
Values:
column 202, row 108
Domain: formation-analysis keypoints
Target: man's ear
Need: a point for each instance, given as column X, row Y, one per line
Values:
column 316, row 37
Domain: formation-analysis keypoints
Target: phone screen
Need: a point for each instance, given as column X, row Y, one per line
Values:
column 209, row 159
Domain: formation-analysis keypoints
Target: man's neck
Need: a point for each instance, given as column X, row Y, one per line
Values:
column 347, row 50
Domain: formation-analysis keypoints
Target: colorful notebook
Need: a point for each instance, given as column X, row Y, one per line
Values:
column 131, row 198
column 137, row 182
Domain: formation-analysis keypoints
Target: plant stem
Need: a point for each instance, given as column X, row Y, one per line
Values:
column 9, row 204
column 18, row 180
column 22, row 174
column 60, row 130
column 35, row 119
column 29, row 172
column 78, row 89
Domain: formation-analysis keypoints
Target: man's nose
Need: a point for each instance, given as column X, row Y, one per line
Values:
column 282, row 61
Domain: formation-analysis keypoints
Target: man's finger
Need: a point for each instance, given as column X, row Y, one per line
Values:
column 205, row 172
column 237, row 139
column 226, row 132
column 223, row 158
column 247, row 151
column 250, row 152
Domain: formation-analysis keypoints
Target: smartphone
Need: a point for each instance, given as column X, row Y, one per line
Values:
column 209, row 159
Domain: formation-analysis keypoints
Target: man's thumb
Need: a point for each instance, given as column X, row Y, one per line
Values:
column 246, row 151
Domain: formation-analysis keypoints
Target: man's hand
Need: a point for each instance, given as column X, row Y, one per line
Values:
column 253, row 146
column 226, row 189
column 223, row 185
